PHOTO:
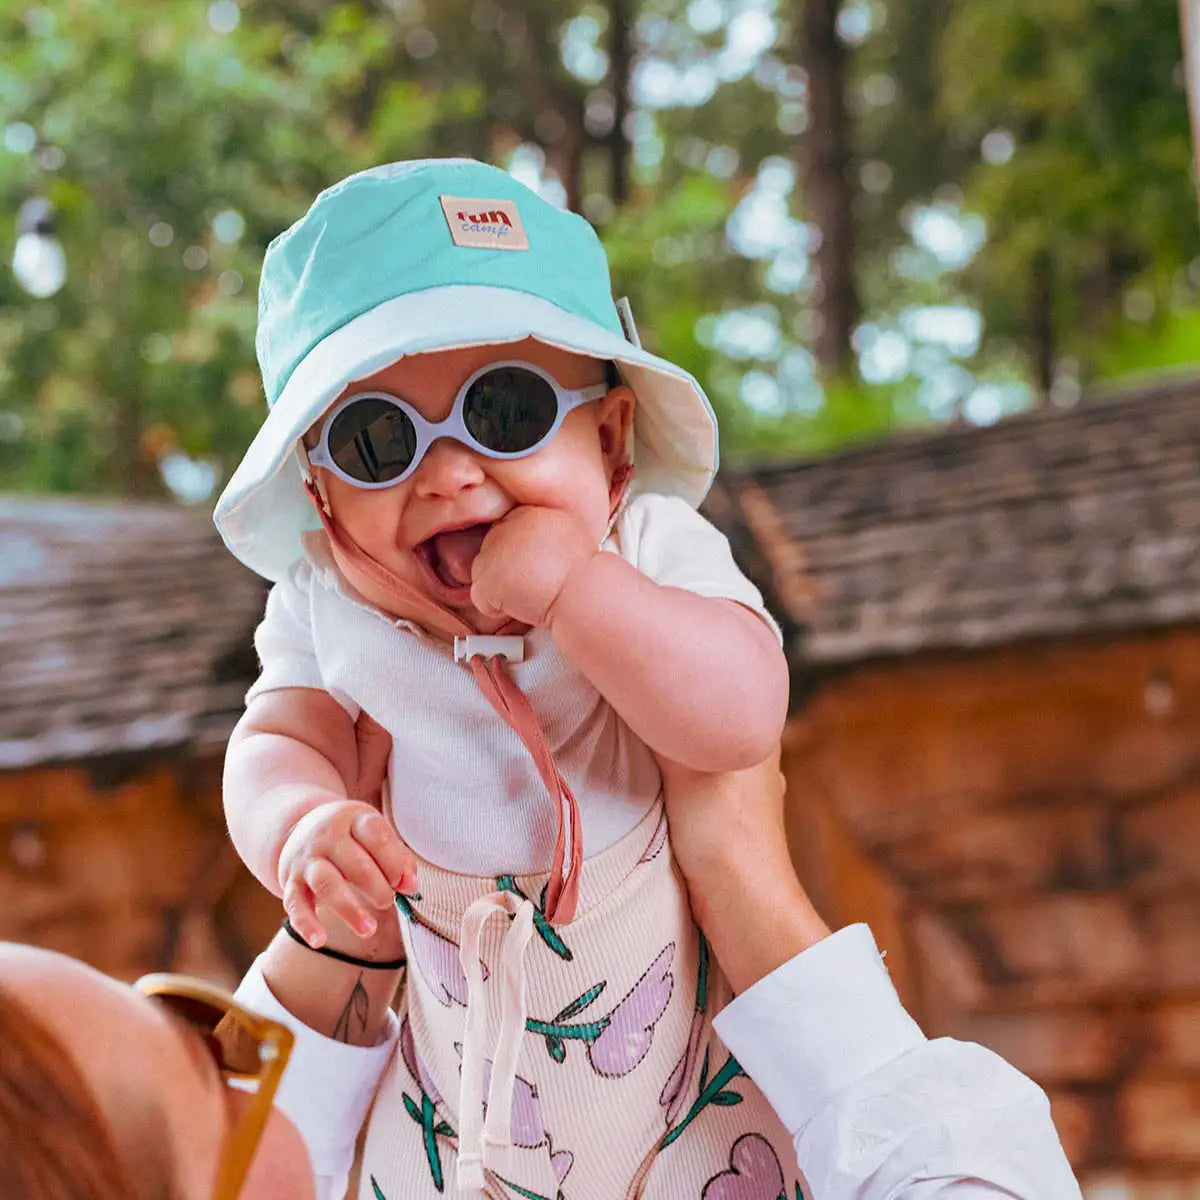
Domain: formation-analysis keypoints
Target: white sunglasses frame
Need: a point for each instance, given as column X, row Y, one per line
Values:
column 454, row 426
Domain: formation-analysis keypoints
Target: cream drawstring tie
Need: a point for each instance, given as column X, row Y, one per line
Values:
column 477, row 1134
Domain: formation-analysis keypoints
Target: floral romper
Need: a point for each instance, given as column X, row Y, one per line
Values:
column 575, row 1062
column 572, row 1060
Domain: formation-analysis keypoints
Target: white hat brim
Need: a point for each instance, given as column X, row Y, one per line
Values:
column 264, row 509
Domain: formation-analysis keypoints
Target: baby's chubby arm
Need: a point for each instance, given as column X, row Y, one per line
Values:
column 293, row 764
column 701, row 680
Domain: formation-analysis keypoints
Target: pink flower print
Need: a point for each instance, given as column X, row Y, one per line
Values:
column 753, row 1173
column 562, row 1161
column 627, row 1037
column 528, row 1128
column 657, row 842
column 675, row 1089
column 436, row 957
column 416, row 1068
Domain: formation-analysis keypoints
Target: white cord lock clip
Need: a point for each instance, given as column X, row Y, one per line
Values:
column 511, row 647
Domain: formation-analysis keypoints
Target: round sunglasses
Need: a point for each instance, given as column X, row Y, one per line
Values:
column 504, row 410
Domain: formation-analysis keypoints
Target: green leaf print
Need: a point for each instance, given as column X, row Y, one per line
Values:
column 558, row 1031
column 713, row 1093
column 581, row 1002
column 424, row 1116
column 520, row 1191
column 546, row 931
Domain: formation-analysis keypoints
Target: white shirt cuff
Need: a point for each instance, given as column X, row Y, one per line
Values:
column 328, row 1086
column 817, row 1024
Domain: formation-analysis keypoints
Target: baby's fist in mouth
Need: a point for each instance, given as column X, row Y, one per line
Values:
column 524, row 563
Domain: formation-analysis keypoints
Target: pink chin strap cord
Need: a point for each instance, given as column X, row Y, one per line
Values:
column 502, row 692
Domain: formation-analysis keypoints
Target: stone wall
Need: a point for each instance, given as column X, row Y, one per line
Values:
column 1022, row 829
column 126, row 864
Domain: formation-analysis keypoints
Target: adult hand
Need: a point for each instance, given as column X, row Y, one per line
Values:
column 728, row 838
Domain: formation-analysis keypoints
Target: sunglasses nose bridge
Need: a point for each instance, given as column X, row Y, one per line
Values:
column 448, row 466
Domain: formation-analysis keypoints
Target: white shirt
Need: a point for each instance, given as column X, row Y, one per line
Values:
column 877, row 1111
column 465, row 794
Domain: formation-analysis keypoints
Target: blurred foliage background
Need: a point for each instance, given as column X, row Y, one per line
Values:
column 842, row 217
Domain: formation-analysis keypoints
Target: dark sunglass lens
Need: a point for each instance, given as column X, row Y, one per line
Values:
column 200, row 1013
column 232, row 1046
column 372, row 440
column 510, row 410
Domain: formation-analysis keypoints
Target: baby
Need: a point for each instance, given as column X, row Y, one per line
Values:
column 476, row 498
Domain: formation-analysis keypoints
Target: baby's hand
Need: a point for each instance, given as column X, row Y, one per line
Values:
column 342, row 856
column 524, row 562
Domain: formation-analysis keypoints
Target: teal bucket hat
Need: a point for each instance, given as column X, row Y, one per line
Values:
column 430, row 255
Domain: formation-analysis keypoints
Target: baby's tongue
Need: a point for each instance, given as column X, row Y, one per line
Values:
column 454, row 553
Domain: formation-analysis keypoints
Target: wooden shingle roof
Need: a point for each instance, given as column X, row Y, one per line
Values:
column 1048, row 524
column 123, row 628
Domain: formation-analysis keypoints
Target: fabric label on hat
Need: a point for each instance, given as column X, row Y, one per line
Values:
column 484, row 224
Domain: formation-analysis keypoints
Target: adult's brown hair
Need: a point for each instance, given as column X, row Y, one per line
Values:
column 55, row 1143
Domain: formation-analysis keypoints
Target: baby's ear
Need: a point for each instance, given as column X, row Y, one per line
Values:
column 614, row 422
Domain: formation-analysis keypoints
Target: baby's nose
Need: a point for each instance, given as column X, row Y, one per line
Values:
column 448, row 467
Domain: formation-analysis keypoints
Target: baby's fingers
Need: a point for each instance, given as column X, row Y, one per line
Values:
column 302, row 912
column 331, row 892
column 394, row 859
column 363, row 873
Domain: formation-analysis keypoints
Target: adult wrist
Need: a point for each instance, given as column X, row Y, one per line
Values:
column 367, row 954
column 760, row 946
column 753, row 928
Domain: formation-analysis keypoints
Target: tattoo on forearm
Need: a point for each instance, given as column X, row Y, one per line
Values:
column 351, row 1024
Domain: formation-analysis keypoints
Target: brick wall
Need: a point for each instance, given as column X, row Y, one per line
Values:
column 1022, row 828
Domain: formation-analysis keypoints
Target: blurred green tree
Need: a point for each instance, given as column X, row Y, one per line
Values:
column 176, row 140
column 1079, row 108
column 172, row 145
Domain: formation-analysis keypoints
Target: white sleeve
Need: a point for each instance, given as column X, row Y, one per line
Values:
column 284, row 641
column 327, row 1087
column 668, row 540
column 877, row 1111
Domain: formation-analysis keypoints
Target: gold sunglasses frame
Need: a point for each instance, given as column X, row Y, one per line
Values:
column 272, row 1045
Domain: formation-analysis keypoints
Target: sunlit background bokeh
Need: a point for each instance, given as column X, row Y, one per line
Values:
column 1016, row 175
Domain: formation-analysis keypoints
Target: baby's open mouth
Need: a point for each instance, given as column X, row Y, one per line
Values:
column 450, row 555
